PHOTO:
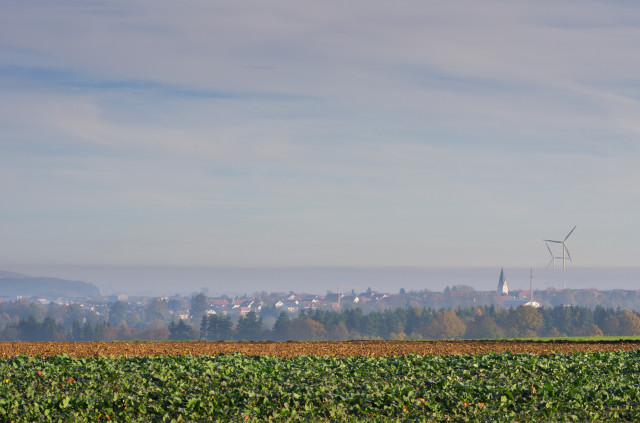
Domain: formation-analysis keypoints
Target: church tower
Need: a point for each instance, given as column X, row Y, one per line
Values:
column 503, row 289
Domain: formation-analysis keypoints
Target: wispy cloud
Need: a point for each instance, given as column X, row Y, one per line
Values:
column 317, row 133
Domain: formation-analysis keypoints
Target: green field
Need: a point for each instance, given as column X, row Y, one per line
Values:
column 578, row 338
column 602, row 386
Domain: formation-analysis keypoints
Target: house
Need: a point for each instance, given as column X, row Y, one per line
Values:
column 248, row 306
column 350, row 298
column 220, row 302
column 293, row 306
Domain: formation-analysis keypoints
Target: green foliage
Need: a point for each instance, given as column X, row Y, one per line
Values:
column 216, row 327
column 282, row 327
column 250, row 327
column 198, row 307
column 117, row 313
column 180, row 331
column 482, row 322
column 31, row 330
column 488, row 387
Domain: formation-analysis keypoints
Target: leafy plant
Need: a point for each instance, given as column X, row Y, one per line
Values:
column 602, row 386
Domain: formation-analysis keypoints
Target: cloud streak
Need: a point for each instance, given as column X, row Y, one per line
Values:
column 299, row 133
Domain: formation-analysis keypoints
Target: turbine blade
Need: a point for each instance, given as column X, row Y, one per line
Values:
column 568, row 254
column 549, row 248
column 574, row 228
column 550, row 240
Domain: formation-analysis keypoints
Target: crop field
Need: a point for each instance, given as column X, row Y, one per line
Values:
column 319, row 381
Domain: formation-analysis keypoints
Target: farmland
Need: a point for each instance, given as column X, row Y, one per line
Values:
column 297, row 381
column 319, row 348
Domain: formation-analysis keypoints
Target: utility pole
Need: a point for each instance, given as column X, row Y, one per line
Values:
column 531, row 283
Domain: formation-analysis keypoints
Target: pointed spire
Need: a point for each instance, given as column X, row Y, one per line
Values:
column 503, row 289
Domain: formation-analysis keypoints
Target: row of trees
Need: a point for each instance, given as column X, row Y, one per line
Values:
column 30, row 329
column 415, row 323
column 484, row 322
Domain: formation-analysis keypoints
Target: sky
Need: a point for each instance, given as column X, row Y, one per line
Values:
column 298, row 133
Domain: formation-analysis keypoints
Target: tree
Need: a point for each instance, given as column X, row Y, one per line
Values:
column 305, row 329
column 250, row 327
column 56, row 311
column 28, row 329
column 611, row 325
column 599, row 315
column 629, row 323
column 155, row 314
column 76, row 331
column 582, row 322
column 414, row 320
column 559, row 317
column 219, row 327
column 355, row 320
column 339, row 332
column 117, row 313
column 524, row 321
column 199, row 305
column 31, row 330
column 281, row 328
column 51, row 331
column 484, row 327
column 180, row 331
column 392, row 323
column 125, row 332
column 204, row 323
column 176, row 303
column 73, row 313
column 446, row 325
column 105, row 332
column 87, row 331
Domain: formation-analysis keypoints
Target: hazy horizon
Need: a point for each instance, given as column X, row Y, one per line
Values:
column 170, row 280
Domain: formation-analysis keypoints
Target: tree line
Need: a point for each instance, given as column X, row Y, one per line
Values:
column 485, row 322
column 413, row 323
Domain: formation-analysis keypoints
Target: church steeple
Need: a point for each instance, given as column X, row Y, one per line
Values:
column 503, row 289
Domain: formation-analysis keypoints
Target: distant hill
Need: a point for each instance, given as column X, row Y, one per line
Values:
column 15, row 284
column 4, row 274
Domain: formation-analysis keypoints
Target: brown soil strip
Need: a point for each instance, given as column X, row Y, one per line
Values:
column 290, row 349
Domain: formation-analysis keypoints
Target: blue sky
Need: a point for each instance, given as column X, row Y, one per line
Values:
column 439, row 133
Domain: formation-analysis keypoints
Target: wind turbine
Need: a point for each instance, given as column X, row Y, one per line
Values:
column 552, row 262
column 564, row 249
